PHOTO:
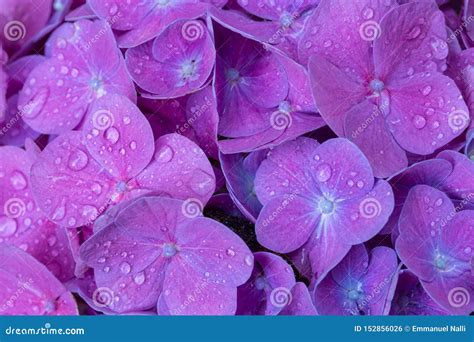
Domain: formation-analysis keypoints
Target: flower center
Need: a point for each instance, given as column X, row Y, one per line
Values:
column 162, row 3
column 121, row 187
column 232, row 75
column 440, row 262
column 169, row 250
column 97, row 86
column 188, row 69
column 326, row 206
column 285, row 107
column 353, row 294
column 286, row 20
column 376, row 85
column 260, row 283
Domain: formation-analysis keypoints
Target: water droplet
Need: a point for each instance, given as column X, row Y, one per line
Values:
column 419, row 121
column 414, row 32
column 78, row 160
column 139, row 278
column 52, row 240
column 248, row 260
column 230, row 252
column 113, row 9
column 59, row 213
column 18, row 180
column 323, row 172
column 165, row 154
column 125, row 268
column 426, row 90
column 112, row 135
column 8, row 226
column 368, row 13
column 101, row 260
column 35, row 105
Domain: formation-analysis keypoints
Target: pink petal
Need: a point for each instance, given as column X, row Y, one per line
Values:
column 42, row 293
column 179, row 169
column 420, row 128
column 69, row 185
column 119, row 136
column 417, row 43
column 365, row 125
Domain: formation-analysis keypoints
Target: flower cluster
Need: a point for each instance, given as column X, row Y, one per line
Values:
column 235, row 157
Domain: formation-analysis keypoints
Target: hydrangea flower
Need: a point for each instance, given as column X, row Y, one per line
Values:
column 158, row 253
column 113, row 159
column 324, row 198
column 177, row 62
column 268, row 290
column 385, row 77
column 263, row 99
column 41, row 293
column 239, row 171
column 84, row 64
column 144, row 20
column 436, row 244
column 22, row 223
column 450, row 172
column 411, row 299
column 280, row 22
column 360, row 284
column 195, row 116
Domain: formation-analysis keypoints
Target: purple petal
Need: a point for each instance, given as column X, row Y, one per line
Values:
column 182, row 57
column 118, row 136
column 417, row 43
column 301, row 303
column 365, row 125
column 179, row 169
column 69, row 185
column 42, row 293
column 419, row 128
